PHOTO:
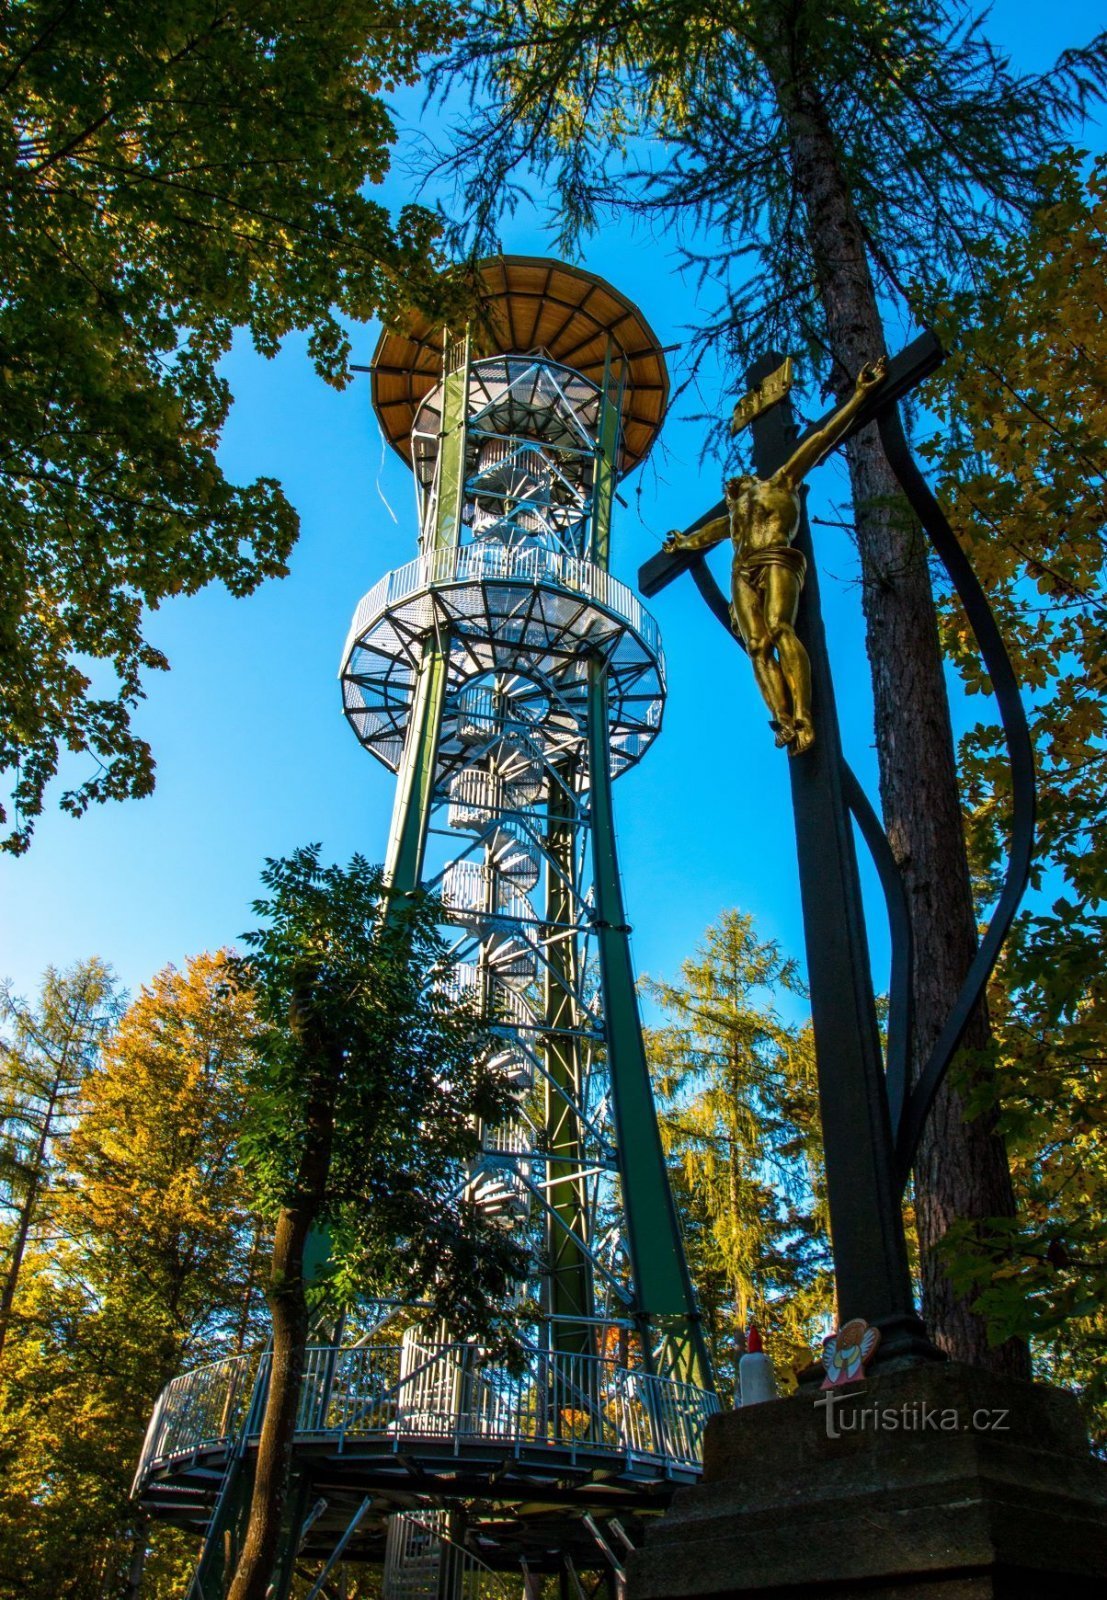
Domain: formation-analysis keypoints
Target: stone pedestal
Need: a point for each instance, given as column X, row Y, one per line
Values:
column 937, row 1482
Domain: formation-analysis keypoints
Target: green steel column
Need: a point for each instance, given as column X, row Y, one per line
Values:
column 415, row 790
column 665, row 1294
column 569, row 1266
column 451, row 445
column 407, row 840
column 604, row 492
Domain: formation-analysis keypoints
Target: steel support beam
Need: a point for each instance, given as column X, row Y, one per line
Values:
column 570, row 1270
column 415, row 785
column 666, row 1298
column 606, row 464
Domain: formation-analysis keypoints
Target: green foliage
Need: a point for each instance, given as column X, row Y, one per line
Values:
column 694, row 117
column 738, row 1108
column 155, row 1192
column 168, row 173
column 49, row 1052
column 362, row 1050
column 148, row 1263
column 1023, row 465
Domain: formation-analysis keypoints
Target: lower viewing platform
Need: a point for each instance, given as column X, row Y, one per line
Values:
column 405, row 1421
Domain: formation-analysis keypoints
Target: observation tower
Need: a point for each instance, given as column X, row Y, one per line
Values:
column 507, row 679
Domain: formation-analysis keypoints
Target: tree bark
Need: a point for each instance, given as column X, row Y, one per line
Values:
column 288, row 1306
column 26, row 1212
column 137, row 1566
column 961, row 1171
column 287, row 1299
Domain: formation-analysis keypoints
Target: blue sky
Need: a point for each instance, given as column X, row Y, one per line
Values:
column 254, row 756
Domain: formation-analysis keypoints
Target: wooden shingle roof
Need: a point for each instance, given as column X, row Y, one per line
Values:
column 530, row 304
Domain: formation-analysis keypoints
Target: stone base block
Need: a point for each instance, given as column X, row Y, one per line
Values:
column 937, row 1482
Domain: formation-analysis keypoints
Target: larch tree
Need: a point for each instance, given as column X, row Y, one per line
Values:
column 1023, row 462
column 147, row 1266
column 49, row 1050
column 168, row 173
column 738, row 1108
column 834, row 164
column 366, row 1102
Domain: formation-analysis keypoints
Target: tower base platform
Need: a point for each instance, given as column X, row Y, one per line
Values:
column 937, row 1482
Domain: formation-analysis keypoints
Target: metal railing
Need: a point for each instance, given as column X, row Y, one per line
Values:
column 447, row 1392
column 493, row 562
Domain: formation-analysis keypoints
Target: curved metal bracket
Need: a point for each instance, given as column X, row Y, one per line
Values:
column 908, row 1108
column 900, row 993
column 1020, row 754
column 714, row 596
column 901, row 996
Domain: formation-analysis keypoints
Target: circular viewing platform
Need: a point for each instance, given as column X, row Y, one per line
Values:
column 528, row 611
column 397, row 1420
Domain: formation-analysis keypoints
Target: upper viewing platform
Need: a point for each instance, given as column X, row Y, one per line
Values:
column 532, row 306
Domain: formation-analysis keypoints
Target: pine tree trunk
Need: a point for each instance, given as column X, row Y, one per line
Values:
column 26, row 1214
column 961, row 1170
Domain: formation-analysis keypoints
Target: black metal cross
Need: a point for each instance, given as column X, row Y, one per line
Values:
column 871, row 1118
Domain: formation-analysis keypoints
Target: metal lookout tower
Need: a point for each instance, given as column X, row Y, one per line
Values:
column 506, row 678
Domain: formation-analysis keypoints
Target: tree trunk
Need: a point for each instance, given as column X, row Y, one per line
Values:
column 961, row 1170
column 26, row 1213
column 137, row 1565
column 287, row 1301
column 288, row 1305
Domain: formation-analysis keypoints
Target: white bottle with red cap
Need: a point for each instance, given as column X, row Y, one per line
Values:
column 756, row 1378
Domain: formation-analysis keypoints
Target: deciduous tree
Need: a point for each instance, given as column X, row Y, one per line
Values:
column 147, row 1266
column 167, row 173
column 366, row 1103
column 1021, row 454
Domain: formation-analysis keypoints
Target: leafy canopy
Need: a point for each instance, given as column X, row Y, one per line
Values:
column 49, row 1049
column 167, row 174
column 369, row 1092
column 691, row 116
column 1023, row 465
column 149, row 1262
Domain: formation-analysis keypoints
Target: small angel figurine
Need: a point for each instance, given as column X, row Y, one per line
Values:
column 848, row 1352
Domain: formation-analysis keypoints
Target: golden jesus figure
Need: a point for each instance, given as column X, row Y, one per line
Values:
column 767, row 572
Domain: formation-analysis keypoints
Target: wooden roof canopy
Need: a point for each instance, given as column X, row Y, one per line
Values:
column 529, row 304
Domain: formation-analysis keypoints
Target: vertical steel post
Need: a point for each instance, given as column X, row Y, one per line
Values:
column 606, row 464
column 415, row 786
column 666, row 1298
column 569, row 1267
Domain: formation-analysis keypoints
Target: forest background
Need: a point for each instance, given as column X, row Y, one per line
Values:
column 252, row 751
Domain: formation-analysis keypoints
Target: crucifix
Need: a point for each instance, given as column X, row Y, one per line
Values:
column 871, row 1114
column 763, row 518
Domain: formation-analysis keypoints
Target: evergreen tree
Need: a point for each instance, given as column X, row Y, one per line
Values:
column 842, row 159
column 43, row 1063
column 147, row 1267
column 738, row 1108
